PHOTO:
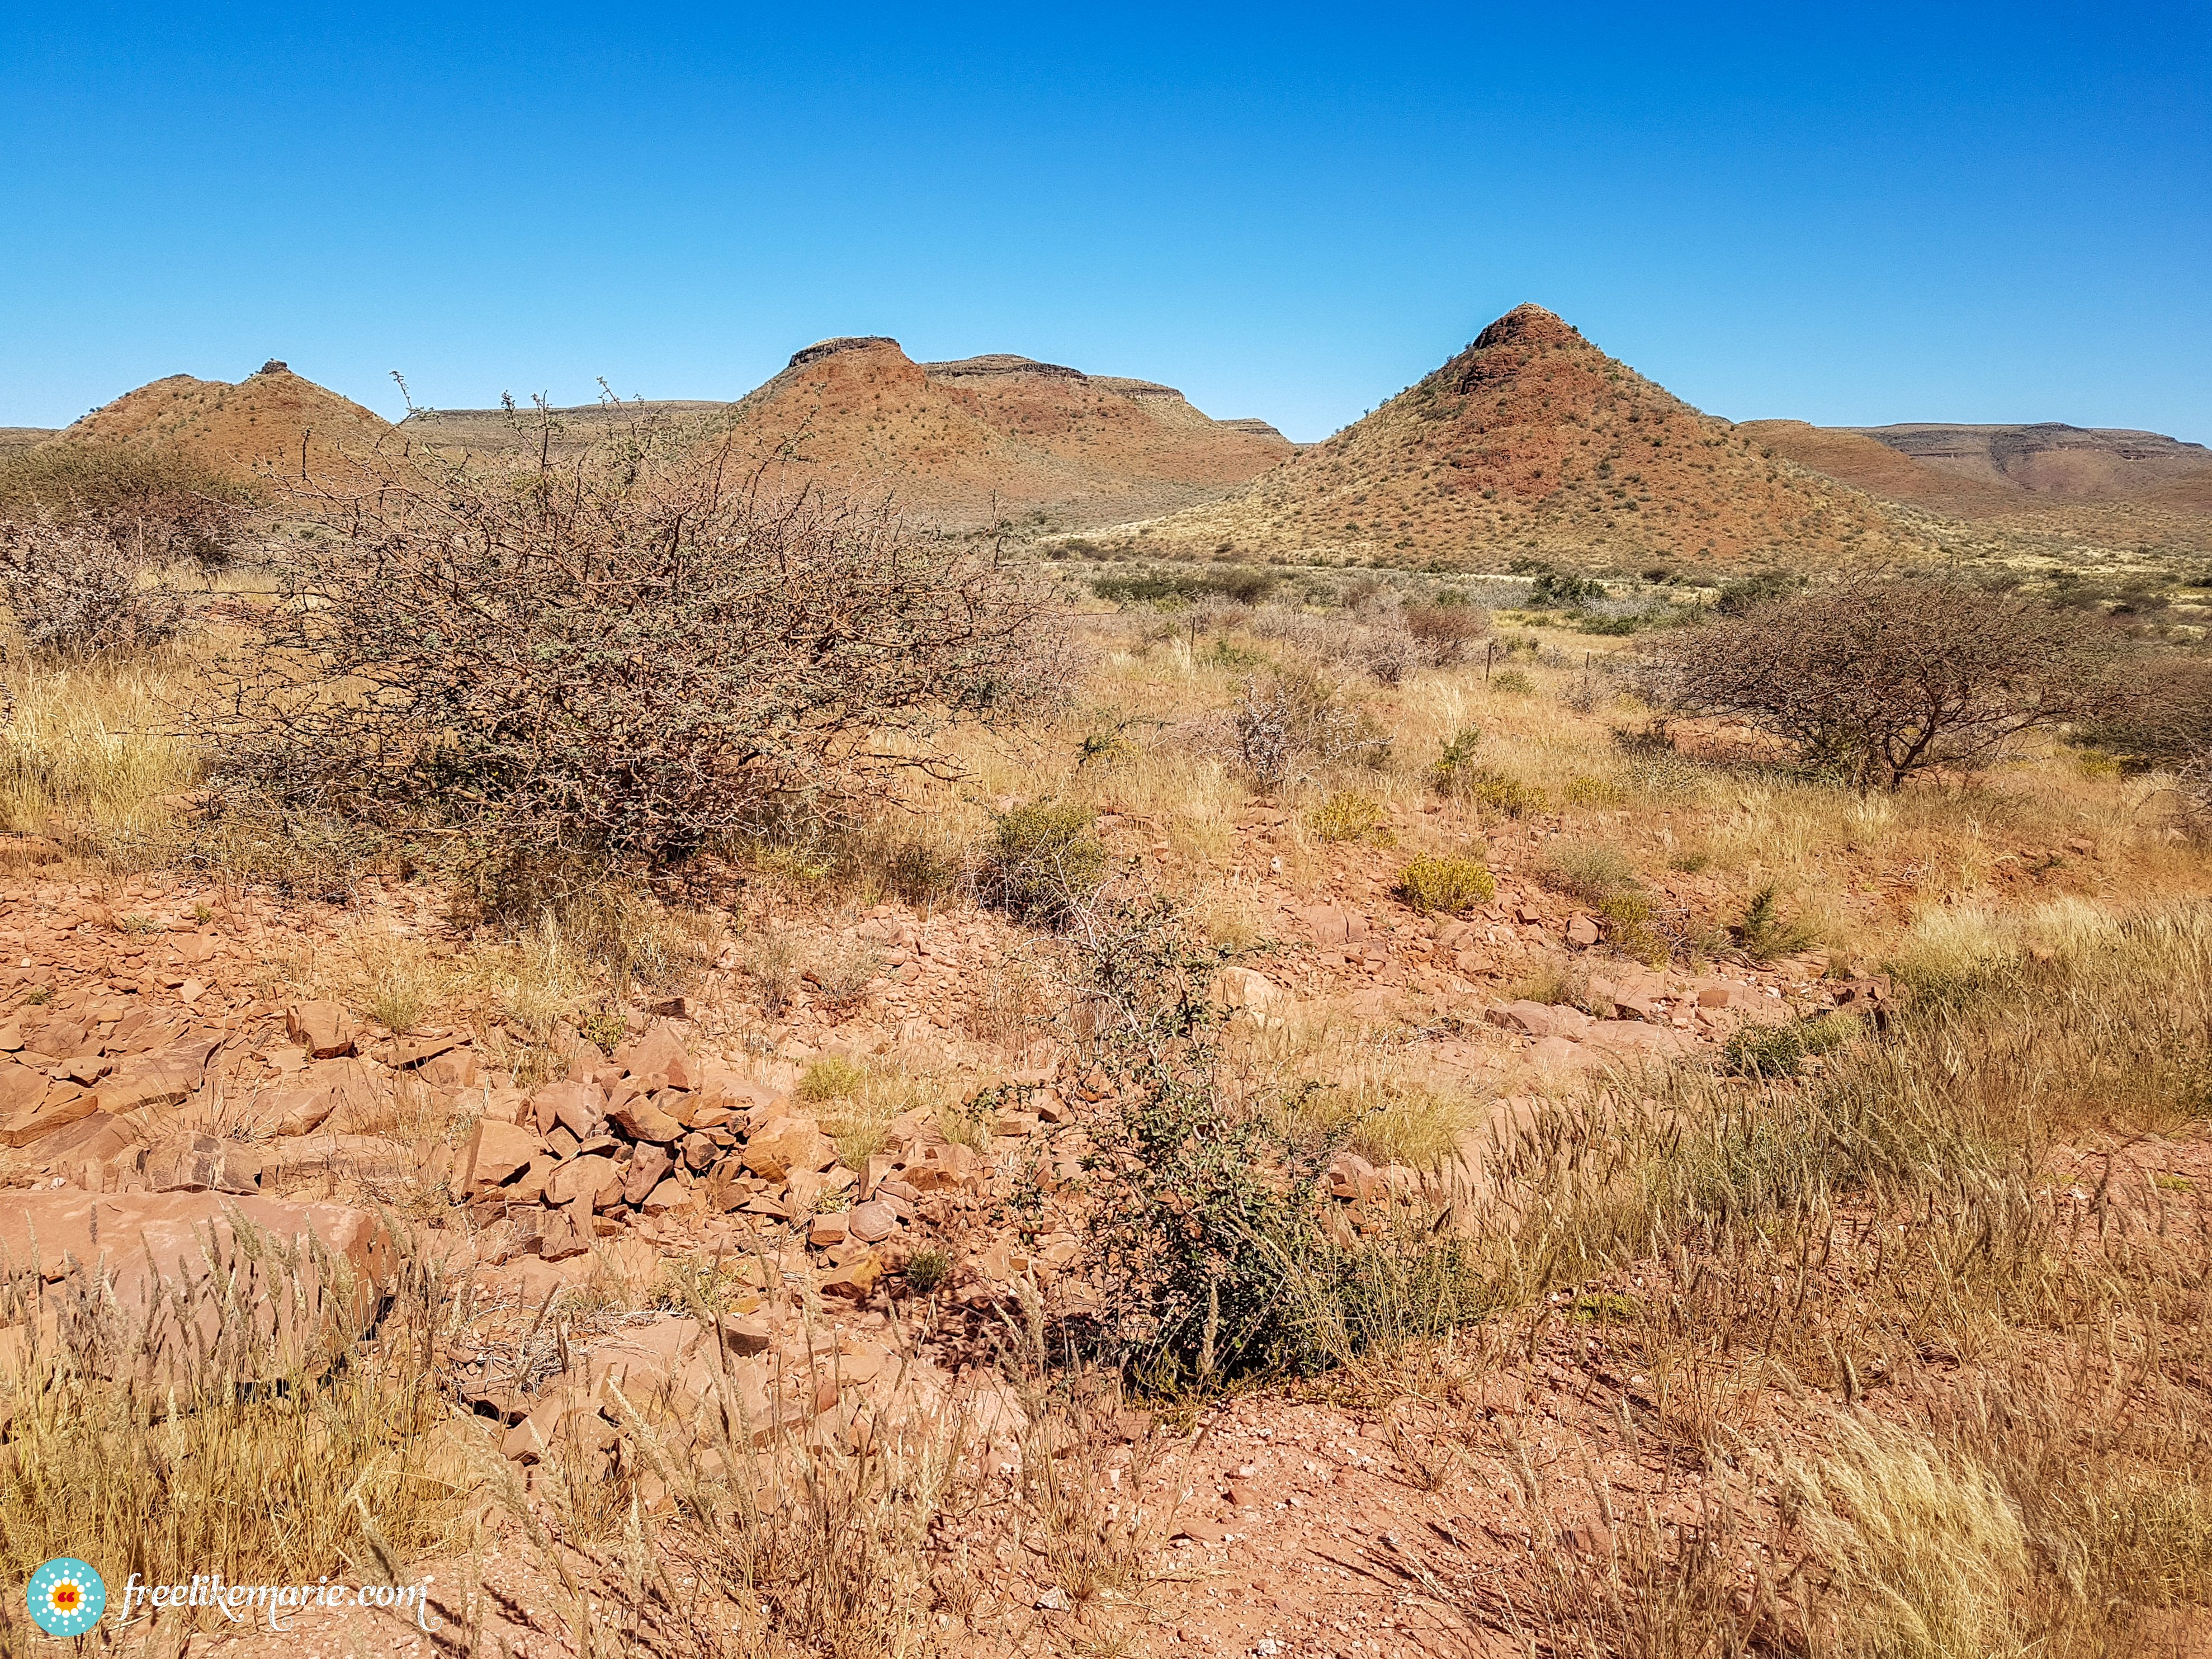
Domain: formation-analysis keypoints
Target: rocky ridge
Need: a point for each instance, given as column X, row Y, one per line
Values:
column 952, row 442
column 1532, row 441
column 274, row 423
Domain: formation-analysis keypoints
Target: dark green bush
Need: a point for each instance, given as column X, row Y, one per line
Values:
column 1779, row 1050
column 1448, row 884
column 1564, row 588
column 1207, row 1211
column 1151, row 586
column 1043, row 861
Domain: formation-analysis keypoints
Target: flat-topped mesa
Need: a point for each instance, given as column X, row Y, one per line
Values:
column 1129, row 388
column 1254, row 425
column 1982, row 470
column 999, row 362
column 821, row 349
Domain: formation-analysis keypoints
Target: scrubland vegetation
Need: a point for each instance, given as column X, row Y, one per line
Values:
column 1900, row 1315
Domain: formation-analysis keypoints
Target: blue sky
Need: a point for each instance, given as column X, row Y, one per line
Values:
column 1850, row 214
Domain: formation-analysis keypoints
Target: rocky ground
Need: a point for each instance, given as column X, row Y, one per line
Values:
column 160, row 1079
column 662, row 1218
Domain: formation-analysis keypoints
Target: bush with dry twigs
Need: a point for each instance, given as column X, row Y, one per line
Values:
column 78, row 591
column 606, row 661
column 150, row 501
column 1876, row 681
column 1295, row 722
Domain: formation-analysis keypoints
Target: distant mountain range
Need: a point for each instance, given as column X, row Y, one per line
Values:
column 1977, row 470
column 1532, row 442
column 951, row 441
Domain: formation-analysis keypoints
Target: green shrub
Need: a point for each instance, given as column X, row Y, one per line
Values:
column 1043, row 861
column 927, row 1268
column 1514, row 681
column 1204, row 1202
column 1453, row 767
column 1619, row 626
column 1154, row 587
column 1223, row 654
column 832, row 1076
column 1563, row 588
column 1632, row 926
column 1592, row 791
column 1764, row 933
column 1766, row 1050
column 1601, row 875
column 1349, row 816
column 1430, row 884
column 1503, row 792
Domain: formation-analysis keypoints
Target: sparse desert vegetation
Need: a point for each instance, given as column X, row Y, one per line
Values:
column 716, row 1072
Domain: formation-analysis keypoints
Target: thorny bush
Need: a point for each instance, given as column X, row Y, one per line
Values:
column 1876, row 680
column 1043, row 861
column 76, row 592
column 152, row 502
column 1294, row 722
column 1202, row 1202
column 605, row 660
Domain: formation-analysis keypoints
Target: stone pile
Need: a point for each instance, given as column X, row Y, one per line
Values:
column 650, row 1135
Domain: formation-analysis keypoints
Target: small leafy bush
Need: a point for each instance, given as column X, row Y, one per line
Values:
column 1347, row 815
column 927, row 1268
column 1453, row 767
column 1154, row 587
column 1205, row 1203
column 1764, row 933
column 1591, row 792
column 1043, row 861
column 1601, row 875
column 1632, row 926
column 1764, row 1050
column 1564, row 588
column 1506, row 794
column 1430, row 884
column 1513, row 682
column 1619, row 627
column 1105, row 745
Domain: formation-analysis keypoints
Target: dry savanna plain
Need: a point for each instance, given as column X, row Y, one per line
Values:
column 953, row 1009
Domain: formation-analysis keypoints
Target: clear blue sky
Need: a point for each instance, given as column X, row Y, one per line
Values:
column 1848, row 214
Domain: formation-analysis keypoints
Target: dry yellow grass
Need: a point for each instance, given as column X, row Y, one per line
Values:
column 1880, row 1235
column 165, row 1470
column 95, row 749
